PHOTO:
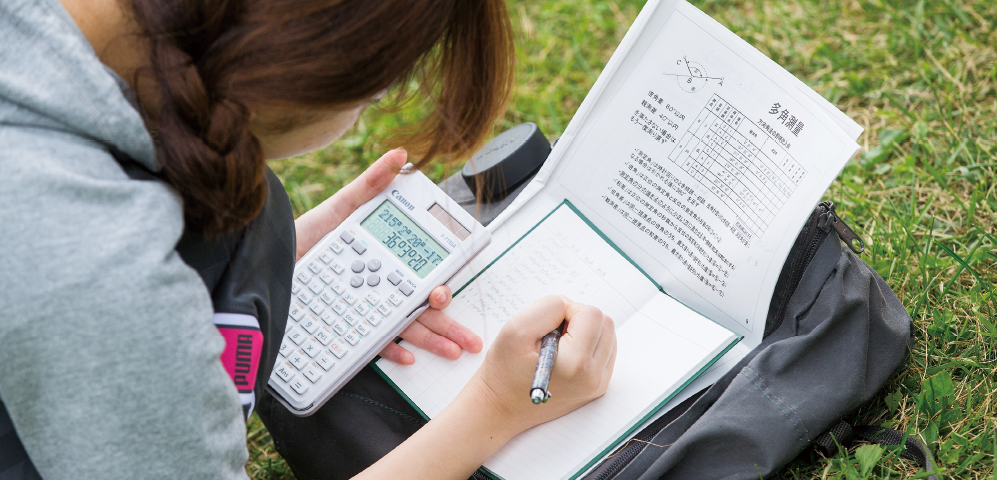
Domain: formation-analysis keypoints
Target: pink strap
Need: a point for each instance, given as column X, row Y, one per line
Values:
column 243, row 349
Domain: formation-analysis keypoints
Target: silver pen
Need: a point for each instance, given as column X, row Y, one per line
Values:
column 545, row 365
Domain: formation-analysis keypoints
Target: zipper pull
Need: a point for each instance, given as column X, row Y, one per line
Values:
column 845, row 233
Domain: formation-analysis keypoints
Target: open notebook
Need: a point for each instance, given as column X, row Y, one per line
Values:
column 697, row 159
column 661, row 344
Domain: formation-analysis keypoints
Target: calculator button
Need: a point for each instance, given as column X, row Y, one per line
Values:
column 312, row 347
column 338, row 348
column 310, row 324
column 356, row 281
column 373, row 298
column 362, row 308
column 339, row 286
column 347, row 237
column 340, row 306
column 357, row 266
column 394, row 278
column 337, row 267
column 374, row 319
column 341, row 328
column 296, row 312
column 350, row 298
column 363, row 329
column 316, row 286
column 395, row 298
column 324, row 336
column 299, row 386
column 326, row 257
column 373, row 279
column 325, row 361
column 296, row 336
column 326, row 317
column 374, row 265
column 406, row 289
column 336, row 247
column 285, row 371
column 317, row 308
column 327, row 277
column 383, row 309
column 314, row 266
column 305, row 297
column 312, row 373
column 351, row 318
column 359, row 248
column 327, row 297
column 353, row 337
column 295, row 288
column 285, row 348
column 304, row 277
column 298, row 359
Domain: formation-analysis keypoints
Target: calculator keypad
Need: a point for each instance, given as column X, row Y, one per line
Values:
column 337, row 302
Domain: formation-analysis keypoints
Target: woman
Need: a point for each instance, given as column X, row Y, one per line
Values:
column 108, row 357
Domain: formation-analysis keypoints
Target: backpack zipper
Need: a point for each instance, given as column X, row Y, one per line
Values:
column 815, row 237
column 818, row 226
column 623, row 457
column 845, row 233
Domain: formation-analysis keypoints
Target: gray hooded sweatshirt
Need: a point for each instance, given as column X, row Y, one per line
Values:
column 109, row 361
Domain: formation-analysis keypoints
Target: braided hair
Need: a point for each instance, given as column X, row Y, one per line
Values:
column 212, row 62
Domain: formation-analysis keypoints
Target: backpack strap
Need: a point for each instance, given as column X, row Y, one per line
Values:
column 843, row 434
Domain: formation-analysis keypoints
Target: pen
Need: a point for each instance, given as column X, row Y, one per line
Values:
column 545, row 365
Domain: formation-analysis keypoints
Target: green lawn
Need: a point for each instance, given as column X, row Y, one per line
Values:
column 920, row 77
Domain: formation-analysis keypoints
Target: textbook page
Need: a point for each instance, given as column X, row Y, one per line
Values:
column 661, row 344
column 699, row 161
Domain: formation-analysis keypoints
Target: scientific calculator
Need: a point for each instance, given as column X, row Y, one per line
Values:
column 364, row 282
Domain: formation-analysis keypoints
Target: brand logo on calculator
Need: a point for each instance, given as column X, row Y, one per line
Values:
column 398, row 196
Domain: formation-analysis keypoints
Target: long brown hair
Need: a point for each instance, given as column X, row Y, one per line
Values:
column 213, row 60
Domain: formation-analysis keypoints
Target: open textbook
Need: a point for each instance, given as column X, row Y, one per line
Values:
column 671, row 202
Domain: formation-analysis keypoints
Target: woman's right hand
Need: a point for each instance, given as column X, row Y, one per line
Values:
column 584, row 364
column 495, row 405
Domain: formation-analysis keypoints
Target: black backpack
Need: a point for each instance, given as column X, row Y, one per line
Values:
column 835, row 334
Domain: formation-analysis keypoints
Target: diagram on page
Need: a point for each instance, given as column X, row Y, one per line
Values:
column 694, row 77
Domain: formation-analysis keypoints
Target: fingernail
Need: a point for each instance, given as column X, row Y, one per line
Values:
column 442, row 297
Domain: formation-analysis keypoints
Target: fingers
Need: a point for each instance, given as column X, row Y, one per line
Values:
column 440, row 297
column 608, row 372
column 424, row 338
column 539, row 319
column 397, row 353
column 317, row 222
column 442, row 325
column 607, row 340
column 368, row 184
column 586, row 326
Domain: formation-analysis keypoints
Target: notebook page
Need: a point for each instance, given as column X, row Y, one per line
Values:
column 563, row 255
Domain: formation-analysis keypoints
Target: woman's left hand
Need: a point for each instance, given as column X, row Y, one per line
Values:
column 433, row 330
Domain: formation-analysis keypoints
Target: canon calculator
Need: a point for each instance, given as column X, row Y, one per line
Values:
column 364, row 282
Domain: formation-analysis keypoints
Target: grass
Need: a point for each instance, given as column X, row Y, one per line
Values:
column 920, row 77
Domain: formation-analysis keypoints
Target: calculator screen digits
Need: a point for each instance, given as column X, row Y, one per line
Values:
column 404, row 238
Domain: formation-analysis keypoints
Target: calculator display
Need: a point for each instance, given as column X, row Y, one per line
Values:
column 413, row 246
